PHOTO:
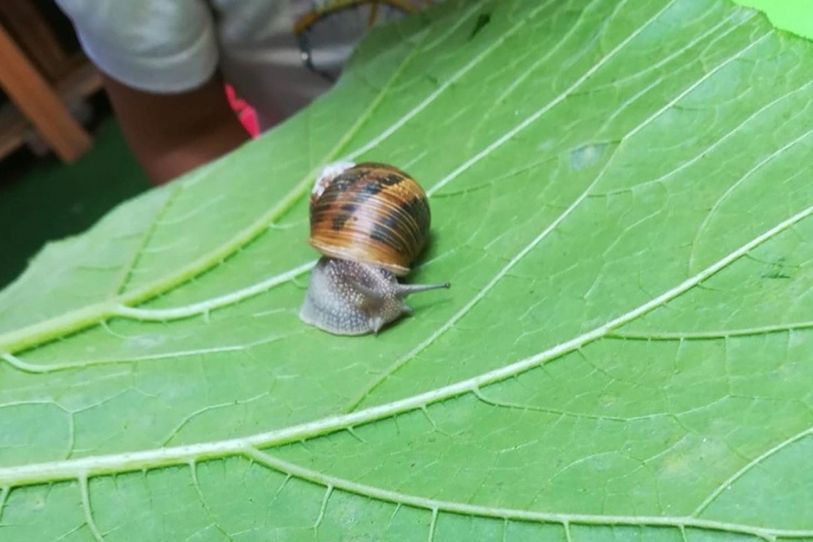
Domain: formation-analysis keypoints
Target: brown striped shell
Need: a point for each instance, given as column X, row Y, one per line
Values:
column 371, row 213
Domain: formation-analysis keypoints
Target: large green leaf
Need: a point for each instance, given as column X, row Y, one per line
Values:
column 621, row 196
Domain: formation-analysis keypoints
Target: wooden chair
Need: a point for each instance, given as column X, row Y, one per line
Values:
column 39, row 76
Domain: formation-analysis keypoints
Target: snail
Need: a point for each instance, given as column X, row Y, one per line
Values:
column 369, row 221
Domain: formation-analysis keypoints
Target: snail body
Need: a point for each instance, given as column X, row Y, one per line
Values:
column 370, row 221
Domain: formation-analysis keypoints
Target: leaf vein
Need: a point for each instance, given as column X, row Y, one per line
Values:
column 435, row 505
column 748, row 467
column 731, row 189
column 86, row 508
column 711, row 335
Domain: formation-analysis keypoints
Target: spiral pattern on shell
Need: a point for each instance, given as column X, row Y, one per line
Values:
column 372, row 213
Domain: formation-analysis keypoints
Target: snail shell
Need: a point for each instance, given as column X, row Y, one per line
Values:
column 370, row 221
column 371, row 213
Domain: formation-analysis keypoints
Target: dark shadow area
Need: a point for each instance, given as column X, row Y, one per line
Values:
column 42, row 199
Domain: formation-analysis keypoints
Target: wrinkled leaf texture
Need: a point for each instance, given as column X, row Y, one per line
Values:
column 621, row 197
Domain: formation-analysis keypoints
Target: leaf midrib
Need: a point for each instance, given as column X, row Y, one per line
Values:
column 455, row 507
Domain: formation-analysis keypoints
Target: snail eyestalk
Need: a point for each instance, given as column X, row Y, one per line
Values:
column 409, row 289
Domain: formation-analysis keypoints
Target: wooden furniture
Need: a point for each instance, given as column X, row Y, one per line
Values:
column 40, row 77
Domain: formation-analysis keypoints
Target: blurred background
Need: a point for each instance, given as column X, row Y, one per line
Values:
column 63, row 161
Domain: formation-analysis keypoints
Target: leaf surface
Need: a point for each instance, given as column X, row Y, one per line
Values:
column 621, row 199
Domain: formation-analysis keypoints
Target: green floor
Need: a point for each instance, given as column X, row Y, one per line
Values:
column 44, row 200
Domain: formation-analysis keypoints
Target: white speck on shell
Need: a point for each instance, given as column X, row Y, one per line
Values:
column 329, row 172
